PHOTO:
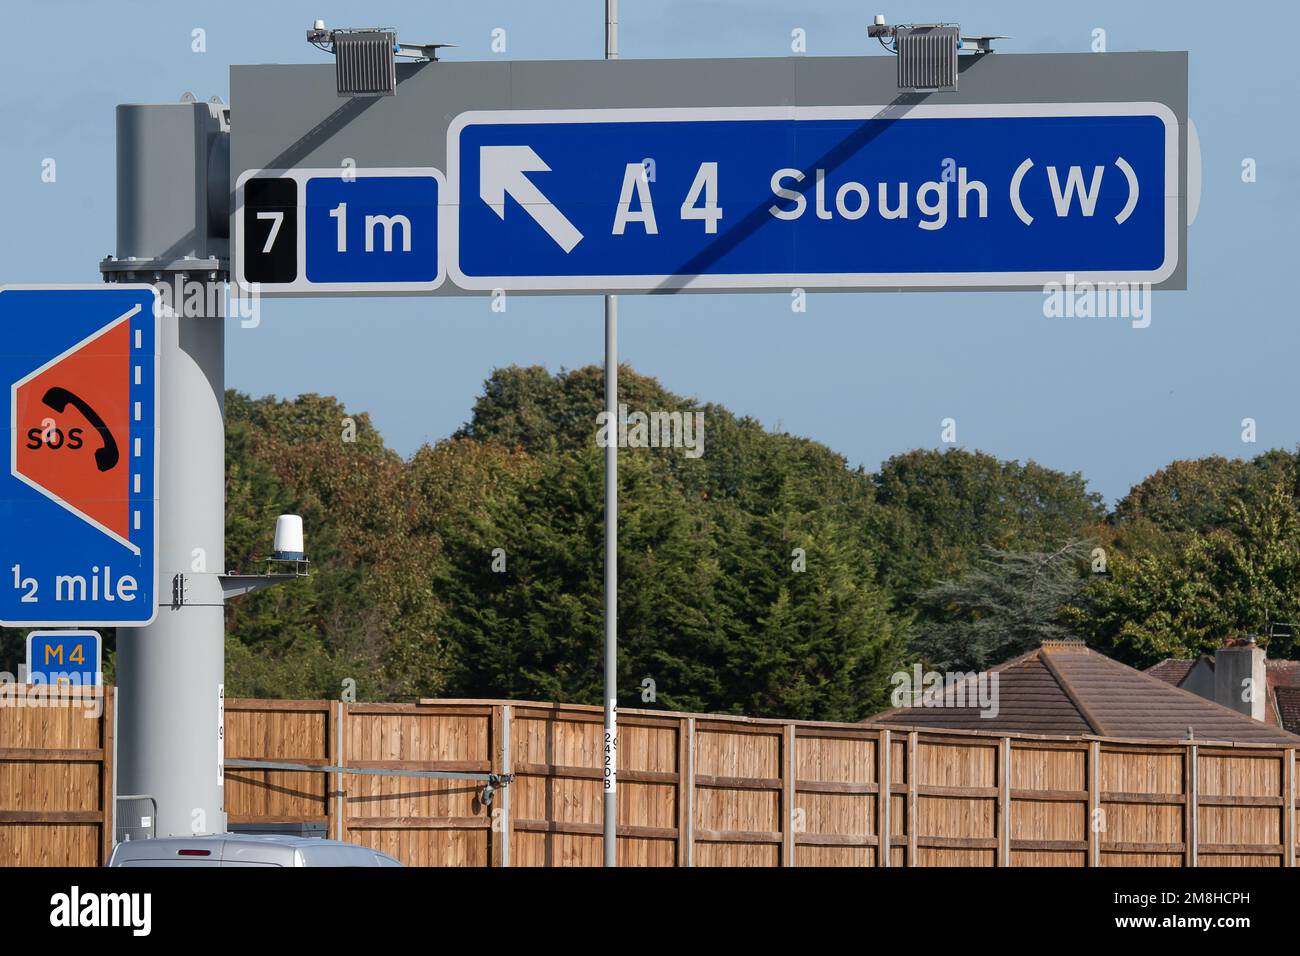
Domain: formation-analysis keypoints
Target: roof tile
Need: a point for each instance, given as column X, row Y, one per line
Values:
column 1091, row 693
column 1288, row 707
column 1172, row 670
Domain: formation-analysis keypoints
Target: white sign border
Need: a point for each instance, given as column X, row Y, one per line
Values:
column 68, row 632
column 157, row 431
column 782, row 282
column 302, row 284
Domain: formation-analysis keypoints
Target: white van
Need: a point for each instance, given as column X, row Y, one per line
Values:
column 245, row 849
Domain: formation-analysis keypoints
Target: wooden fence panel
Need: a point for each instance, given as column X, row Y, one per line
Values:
column 738, row 794
column 1145, row 805
column 956, row 798
column 289, row 731
column 836, row 794
column 557, row 797
column 421, row 821
column 649, row 754
column 56, row 779
column 1049, row 804
column 1241, row 808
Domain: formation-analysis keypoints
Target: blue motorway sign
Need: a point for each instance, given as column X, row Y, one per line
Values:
column 64, row 657
column 339, row 230
column 831, row 197
column 79, row 501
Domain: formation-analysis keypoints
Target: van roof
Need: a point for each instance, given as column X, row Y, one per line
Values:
column 222, row 845
column 272, row 839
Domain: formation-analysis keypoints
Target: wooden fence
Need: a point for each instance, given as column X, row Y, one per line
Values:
column 732, row 791
column 56, row 777
column 693, row 789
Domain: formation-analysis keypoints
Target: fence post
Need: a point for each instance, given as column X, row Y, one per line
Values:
column 499, row 762
column 1094, row 803
column 1288, row 806
column 1191, row 823
column 507, row 767
column 686, row 805
column 679, row 852
column 108, row 784
column 1004, row 803
column 883, row 798
column 787, row 796
column 332, row 780
column 911, row 798
column 341, row 739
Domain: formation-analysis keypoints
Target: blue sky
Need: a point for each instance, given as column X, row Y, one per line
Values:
column 869, row 375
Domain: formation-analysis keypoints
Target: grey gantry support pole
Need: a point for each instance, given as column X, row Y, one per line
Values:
column 611, row 529
column 172, row 217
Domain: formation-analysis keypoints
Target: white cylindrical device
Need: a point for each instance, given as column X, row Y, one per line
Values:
column 288, row 538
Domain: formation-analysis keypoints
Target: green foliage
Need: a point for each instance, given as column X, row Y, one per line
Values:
column 1234, row 579
column 939, row 509
column 766, row 577
column 368, row 601
column 710, row 609
column 816, row 644
column 1009, row 603
column 1196, row 495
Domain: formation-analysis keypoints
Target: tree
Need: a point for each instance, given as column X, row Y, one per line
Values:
column 532, row 625
column 1009, row 603
column 1195, row 495
column 476, row 568
column 711, row 608
column 368, row 597
column 939, row 509
column 1230, row 581
column 817, row 643
column 766, row 577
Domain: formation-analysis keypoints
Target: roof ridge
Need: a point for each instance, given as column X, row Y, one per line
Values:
column 1088, row 716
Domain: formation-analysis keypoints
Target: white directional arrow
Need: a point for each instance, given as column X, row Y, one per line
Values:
column 502, row 170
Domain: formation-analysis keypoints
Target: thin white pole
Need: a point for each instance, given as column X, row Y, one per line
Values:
column 611, row 531
column 611, row 29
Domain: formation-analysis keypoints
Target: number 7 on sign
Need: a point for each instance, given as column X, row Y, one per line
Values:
column 277, row 220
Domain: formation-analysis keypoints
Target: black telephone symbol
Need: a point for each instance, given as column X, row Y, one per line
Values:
column 59, row 398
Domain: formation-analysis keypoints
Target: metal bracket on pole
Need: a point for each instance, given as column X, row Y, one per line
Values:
column 180, row 590
column 235, row 585
column 131, row 269
column 492, row 782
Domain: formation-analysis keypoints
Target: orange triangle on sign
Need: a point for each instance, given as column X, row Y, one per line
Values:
column 72, row 421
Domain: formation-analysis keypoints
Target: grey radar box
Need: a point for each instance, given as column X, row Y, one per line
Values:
column 927, row 58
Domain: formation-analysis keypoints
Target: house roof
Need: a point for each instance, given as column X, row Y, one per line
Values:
column 1283, row 679
column 1064, row 688
column 1283, row 685
column 1288, row 707
column 1171, row 670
